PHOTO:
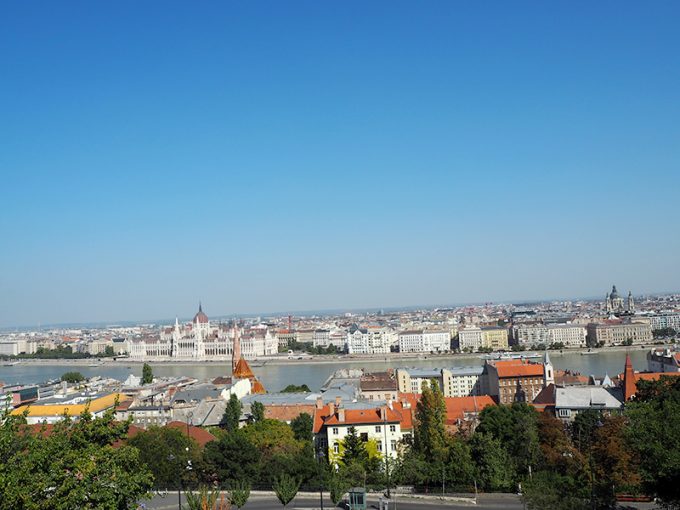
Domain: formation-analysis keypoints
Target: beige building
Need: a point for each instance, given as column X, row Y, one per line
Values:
column 495, row 337
column 454, row 381
column 618, row 332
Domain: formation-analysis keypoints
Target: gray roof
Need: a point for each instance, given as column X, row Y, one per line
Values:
column 423, row 372
column 588, row 397
column 197, row 392
column 471, row 370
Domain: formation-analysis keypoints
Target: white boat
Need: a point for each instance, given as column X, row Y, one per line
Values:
column 11, row 363
column 588, row 353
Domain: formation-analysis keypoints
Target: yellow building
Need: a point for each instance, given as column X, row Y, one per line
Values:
column 495, row 337
column 54, row 409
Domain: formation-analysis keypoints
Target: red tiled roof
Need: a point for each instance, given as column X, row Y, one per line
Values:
column 201, row 436
column 518, row 368
column 456, row 407
column 287, row 412
column 398, row 413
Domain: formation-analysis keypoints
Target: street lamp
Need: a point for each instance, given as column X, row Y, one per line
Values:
column 171, row 457
column 320, row 456
column 387, row 453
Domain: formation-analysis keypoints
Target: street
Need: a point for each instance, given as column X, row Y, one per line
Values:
column 265, row 501
column 308, row 501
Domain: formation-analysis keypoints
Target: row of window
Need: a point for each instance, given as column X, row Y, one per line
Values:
column 378, row 429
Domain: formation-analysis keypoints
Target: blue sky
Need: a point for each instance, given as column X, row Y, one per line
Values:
column 276, row 156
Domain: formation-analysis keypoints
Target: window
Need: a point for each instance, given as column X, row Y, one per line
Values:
column 393, row 445
column 335, row 431
column 380, row 449
column 564, row 413
column 393, row 428
column 364, row 436
column 378, row 429
column 336, row 447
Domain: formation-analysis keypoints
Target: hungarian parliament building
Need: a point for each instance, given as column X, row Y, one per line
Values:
column 200, row 340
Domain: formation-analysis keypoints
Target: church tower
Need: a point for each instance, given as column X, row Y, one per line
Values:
column 630, row 306
column 548, row 370
column 629, row 386
column 236, row 351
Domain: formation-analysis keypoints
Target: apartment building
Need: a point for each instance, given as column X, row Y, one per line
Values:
column 419, row 340
column 571, row 335
column 384, row 425
column 453, row 382
column 618, row 332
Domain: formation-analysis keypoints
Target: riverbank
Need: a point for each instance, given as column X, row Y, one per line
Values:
column 305, row 359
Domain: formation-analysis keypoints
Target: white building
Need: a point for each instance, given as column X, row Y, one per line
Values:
column 201, row 340
column 571, row 335
column 665, row 320
column 367, row 340
column 386, row 425
column 471, row 338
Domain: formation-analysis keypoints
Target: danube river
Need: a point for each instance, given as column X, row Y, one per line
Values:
column 276, row 376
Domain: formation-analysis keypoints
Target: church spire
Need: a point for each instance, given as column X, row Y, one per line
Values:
column 628, row 379
column 236, row 351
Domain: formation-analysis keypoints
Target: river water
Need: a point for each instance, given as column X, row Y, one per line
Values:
column 276, row 376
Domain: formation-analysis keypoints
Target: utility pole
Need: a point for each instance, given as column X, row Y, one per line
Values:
column 387, row 455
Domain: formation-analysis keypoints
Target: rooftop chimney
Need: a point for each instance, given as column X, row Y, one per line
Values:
column 341, row 414
column 331, row 409
column 338, row 401
column 319, row 402
column 383, row 413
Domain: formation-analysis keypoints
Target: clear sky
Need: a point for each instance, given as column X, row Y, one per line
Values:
column 281, row 156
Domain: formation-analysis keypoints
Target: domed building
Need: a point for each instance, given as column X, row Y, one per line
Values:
column 614, row 303
column 202, row 340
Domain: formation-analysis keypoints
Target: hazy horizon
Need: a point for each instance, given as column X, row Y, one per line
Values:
column 315, row 156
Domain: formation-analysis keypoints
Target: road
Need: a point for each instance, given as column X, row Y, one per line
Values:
column 265, row 501
column 309, row 501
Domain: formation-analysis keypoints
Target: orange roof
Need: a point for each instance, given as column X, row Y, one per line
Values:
column 518, row 368
column 287, row 412
column 201, row 436
column 456, row 407
column 257, row 387
column 398, row 414
column 243, row 370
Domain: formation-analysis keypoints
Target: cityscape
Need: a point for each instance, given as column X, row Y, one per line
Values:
column 360, row 255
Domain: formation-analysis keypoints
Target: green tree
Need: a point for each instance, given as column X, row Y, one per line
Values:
column 73, row 377
column 147, row 374
column 583, row 428
column 72, row 466
column 548, row 489
column 239, row 493
column 516, row 428
column 653, row 431
column 354, row 449
column 286, row 488
column 108, row 351
column 493, row 468
column 302, row 427
column 337, row 487
column 430, row 429
column 232, row 413
column 233, row 458
column 167, row 452
column 257, row 412
column 293, row 388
